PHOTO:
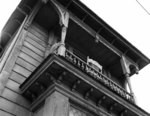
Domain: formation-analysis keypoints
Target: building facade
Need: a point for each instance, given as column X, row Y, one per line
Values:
column 60, row 59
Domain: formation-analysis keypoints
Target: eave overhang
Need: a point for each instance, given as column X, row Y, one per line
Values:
column 57, row 74
column 14, row 22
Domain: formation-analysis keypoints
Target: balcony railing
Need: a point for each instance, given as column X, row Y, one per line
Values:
column 98, row 76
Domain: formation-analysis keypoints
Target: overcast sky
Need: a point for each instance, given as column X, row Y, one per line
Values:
column 131, row 18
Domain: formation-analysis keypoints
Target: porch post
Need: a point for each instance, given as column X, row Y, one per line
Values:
column 64, row 21
column 126, row 70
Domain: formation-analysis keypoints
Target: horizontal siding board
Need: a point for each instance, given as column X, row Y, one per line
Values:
column 29, row 59
column 30, row 35
column 25, row 64
column 14, row 86
column 37, row 34
column 7, row 105
column 21, row 70
column 32, row 54
column 35, row 44
column 5, row 113
column 14, row 97
column 36, row 50
column 13, row 108
column 17, row 77
column 39, row 29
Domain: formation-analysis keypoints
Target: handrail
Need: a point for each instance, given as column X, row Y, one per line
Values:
column 10, row 48
column 98, row 76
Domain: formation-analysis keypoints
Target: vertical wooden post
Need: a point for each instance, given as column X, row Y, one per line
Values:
column 56, row 105
column 64, row 21
column 126, row 70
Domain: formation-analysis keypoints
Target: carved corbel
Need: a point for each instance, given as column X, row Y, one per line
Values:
column 97, row 38
column 75, row 85
column 111, row 108
column 127, row 65
column 60, row 78
column 88, row 93
column 101, row 100
column 51, row 78
column 44, row 1
column 42, row 88
column 33, row 96
column 123, row 113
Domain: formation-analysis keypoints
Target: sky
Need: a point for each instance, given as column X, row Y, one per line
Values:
column 131, row 18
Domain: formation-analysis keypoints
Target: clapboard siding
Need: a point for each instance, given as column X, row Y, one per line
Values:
column 36, row 50
column 40, row 41
column 29, row 59
column 17, row 77
column 35, row 44
column 37, row 34
column 15, row 97
column 32, row 54
column 5, row 113
column 13, row 108
column 39, row 29
column 21, row 70
column 25, row 64
column 14, row 86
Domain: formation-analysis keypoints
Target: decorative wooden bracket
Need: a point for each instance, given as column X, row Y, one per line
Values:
column 123, row 113
column 64, row 21
column 101, row 100
column 75, row 85
column 42, row 88
column 44, row 1
column 60, row 78
column 50, row 77
column 112, row 107
column 127, row 65
column 33, row 96
column 88, row 93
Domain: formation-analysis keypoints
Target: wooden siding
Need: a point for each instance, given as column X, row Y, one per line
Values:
column 32, row 53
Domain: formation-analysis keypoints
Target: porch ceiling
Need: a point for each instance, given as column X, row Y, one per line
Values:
column 81, row 40
column 47, row 17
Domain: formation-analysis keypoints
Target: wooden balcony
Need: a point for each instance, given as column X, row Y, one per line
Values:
column 71, row 74
column 97, row 76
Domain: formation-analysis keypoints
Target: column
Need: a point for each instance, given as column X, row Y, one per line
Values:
column 56, row 105
column 64, row 21
column 130, row 87
column 126, row 70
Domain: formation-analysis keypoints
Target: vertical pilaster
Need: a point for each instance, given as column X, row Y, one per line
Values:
column 56, row 105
